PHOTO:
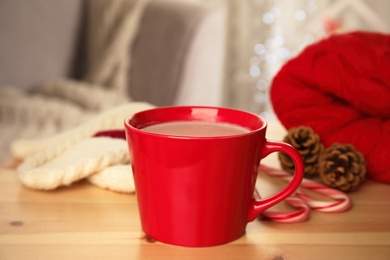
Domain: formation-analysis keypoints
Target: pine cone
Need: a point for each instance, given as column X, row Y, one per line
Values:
column 308, row 143
column 342, row 167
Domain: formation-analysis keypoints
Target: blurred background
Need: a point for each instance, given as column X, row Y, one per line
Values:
column 263, row 34
column 62, row 62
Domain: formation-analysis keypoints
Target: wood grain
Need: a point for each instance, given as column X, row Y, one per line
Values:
column 85, row 222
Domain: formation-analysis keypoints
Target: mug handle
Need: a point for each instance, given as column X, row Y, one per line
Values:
column 258, row 206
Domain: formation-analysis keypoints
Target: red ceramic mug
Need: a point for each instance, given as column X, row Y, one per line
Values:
column 198, row 191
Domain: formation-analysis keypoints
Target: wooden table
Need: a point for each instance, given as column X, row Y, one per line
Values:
column 86, row 222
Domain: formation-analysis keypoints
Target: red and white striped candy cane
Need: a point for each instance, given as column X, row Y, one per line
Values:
column 302, row 213
column 300, row 200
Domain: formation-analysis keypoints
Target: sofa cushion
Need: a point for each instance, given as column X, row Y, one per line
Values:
column 39, row 41
column 166, row 34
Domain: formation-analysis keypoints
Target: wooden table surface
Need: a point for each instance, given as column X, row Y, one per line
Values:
column 85, row 222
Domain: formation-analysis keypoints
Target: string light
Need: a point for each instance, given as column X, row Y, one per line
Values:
column 271, row 52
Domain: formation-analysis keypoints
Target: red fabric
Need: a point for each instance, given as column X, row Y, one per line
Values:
column 340, row 87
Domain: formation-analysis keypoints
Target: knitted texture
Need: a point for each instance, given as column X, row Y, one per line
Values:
column 340, row 87
column 83, row 95
column 110, row 119
column 114, row 27
column 63, row 104
column 48, row 170
column 34, row 116
column 72, row 155
column 117, row 178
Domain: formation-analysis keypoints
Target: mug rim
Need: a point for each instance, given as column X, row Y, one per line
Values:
column 131, row 127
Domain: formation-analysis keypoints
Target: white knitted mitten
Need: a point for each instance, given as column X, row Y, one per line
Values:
column 47, row 171
column 74, row 154
column 110, row 119
column 117, row 178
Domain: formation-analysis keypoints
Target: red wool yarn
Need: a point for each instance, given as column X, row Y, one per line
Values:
column 340, row 87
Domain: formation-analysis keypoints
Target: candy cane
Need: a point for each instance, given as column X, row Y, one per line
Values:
column 303, row 202
column 302, row 213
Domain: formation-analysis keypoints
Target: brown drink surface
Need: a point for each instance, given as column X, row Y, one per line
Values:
column 196, row 129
